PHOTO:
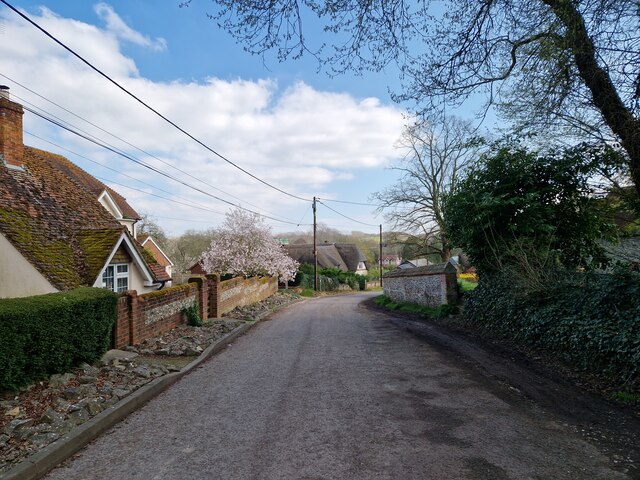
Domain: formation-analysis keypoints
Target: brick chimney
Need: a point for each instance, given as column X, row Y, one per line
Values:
column 11, row 145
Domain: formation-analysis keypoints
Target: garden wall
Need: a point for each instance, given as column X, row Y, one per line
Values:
column 430, row 286
column 151, row 314
column 238, row 292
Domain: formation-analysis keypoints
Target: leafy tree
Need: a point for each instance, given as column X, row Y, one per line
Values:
column 435, row 155
column 535, row 211
column 573, row 62
column 244, row 246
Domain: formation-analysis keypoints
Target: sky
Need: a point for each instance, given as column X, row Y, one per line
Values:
column 294, row 127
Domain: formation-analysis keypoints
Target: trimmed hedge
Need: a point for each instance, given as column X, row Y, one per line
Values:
column 52, row 333
column 591, row 321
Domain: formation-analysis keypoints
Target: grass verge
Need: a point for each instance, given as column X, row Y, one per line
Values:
column 435, row 312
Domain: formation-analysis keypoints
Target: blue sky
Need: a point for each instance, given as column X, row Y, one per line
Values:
column 300, row 130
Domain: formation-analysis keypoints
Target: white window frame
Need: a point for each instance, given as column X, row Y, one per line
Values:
column 119, row 271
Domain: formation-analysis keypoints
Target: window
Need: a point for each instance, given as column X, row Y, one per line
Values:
column 116, row 278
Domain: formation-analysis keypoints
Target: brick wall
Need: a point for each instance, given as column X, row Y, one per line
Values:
column 430, row 290
column 11, row 146
column 151, row 314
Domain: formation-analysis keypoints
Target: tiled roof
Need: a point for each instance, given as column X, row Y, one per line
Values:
column 96, row 187
column 55, row 221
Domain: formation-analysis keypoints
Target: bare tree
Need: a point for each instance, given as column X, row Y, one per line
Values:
column 434, row 156
column 574, row 63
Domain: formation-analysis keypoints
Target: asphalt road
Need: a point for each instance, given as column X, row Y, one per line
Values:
column 327, row 389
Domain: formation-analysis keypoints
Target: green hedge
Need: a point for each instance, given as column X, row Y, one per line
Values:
column 591, row 321
column 52, row 333
column 328, row 279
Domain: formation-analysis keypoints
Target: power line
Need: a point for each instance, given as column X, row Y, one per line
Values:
column 154, row 169
column 351, row 203
column 119, row 138
column 348, row 218
column 149, row 107
column 159, row 196
column 114, row 170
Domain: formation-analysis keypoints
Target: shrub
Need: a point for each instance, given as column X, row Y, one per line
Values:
column 193, row 317
column 52, row 333
column 592, row 321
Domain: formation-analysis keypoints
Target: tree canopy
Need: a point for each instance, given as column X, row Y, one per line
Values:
column 574, row 63
column 530, row 209
column 434, row 156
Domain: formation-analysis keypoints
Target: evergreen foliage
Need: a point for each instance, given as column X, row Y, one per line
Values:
column 52, row 333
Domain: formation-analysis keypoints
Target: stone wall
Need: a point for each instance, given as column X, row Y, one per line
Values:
column 428, row 287
column 151, row 314
column 238, row 292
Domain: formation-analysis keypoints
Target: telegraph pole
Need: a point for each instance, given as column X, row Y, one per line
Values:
column 315, row 249
column 380, row 258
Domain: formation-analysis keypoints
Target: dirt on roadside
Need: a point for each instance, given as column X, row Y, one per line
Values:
column 613, row 427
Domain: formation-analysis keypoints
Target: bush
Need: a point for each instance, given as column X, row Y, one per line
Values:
column 592, row 321
column 52, row 333
column 193, row 317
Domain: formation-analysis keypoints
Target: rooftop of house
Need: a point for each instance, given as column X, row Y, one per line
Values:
column 50, row 213
column 344, row 256
column 96, row 187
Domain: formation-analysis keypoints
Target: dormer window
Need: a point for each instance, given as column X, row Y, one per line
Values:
column 116, row 278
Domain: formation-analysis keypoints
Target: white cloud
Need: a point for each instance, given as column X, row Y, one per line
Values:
column 120, row 29
column 299, row 138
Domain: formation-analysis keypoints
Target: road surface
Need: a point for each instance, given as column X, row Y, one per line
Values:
column 327, row 389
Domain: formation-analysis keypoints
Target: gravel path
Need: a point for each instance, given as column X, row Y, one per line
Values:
column 327, row 389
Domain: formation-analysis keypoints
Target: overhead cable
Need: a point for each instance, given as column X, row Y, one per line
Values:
column 150, row 167
column 348, row 218
column 149, row 107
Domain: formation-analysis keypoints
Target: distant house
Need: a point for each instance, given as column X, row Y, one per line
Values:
column 60, row 228
column 197, row 268
column 391, row 260
column 346, row 257
column 159, row 256
column 415, row 263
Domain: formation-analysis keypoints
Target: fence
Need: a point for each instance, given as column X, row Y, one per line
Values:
column 151, row 314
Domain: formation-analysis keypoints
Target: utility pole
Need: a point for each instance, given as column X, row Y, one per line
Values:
column 380, row 258
column 315, row 249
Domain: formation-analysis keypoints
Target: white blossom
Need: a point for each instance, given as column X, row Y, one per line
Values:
column 244, row 246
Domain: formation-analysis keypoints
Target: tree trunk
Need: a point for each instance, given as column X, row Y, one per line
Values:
column 605, row 96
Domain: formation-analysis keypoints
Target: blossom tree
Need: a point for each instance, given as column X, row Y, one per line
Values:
column 244, row 246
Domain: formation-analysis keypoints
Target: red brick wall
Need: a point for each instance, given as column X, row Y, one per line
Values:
column 149, row 315
column 122, row 334
column 11, row 146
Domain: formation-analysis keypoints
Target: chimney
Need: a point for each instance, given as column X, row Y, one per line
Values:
column 11, row 146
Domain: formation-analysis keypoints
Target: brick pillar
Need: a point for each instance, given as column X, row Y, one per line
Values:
column 134, row 318
column 11, row 146
column 203, row 295
column 122, row 333
column 215, row 307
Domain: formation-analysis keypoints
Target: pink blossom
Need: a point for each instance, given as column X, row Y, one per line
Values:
column 244, row 246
